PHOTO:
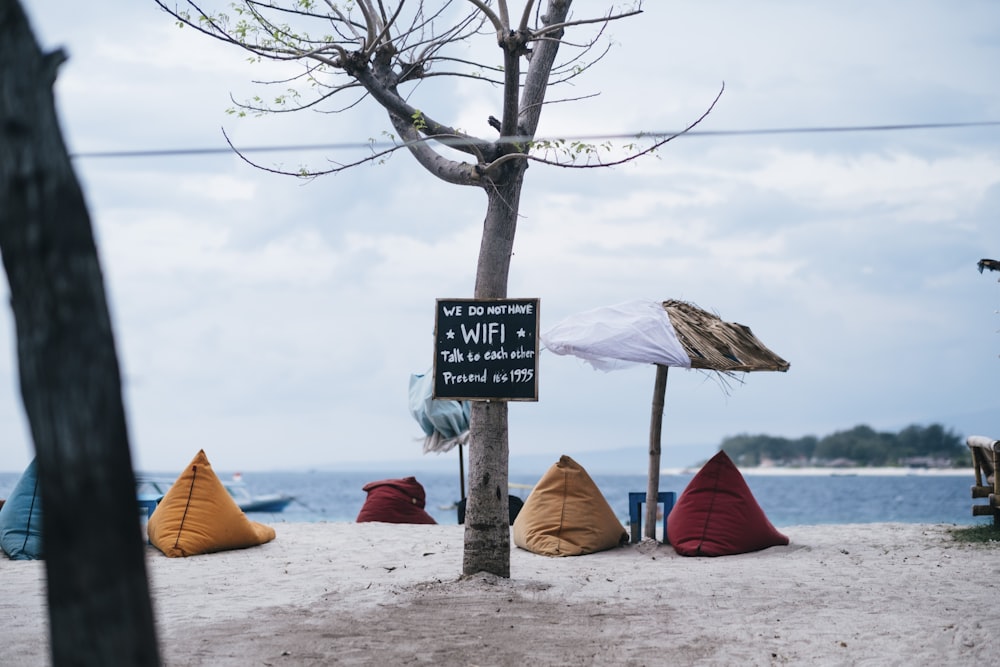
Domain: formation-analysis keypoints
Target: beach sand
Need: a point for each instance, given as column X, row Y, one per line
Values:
column 366, row 594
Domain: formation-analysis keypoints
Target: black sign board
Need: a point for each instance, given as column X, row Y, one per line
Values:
column 486, row 349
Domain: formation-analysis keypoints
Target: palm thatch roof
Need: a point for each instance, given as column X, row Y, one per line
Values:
column 719, row 346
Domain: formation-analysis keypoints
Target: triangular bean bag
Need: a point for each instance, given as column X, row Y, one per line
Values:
column 395, row 501
column 566, row 515
column 21, row 518
column 717, row 514
column 198, row 516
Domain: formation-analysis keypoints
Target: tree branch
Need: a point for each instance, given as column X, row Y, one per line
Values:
column 499, row 25
column 631, row 157
column 451, row 171
column 566, row 24
column 526, row 15
column 537, row 77
column 398, row 107
column 303, row 173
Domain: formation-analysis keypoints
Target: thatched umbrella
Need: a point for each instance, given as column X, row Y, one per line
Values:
column 671, row 333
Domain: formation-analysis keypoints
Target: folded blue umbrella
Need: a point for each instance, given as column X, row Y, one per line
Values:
column 445, row 422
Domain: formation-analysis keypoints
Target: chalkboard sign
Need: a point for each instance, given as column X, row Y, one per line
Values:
column 486, row 349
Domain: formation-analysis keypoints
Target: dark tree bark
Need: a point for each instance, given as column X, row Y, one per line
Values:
column 98, row 595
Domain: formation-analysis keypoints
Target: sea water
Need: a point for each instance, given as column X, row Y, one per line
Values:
column 787, row 500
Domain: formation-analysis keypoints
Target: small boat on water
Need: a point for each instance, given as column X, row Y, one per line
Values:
column 154, row 488
column 248, row 502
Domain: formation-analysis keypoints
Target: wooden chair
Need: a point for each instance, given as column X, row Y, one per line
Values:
column 985, row 457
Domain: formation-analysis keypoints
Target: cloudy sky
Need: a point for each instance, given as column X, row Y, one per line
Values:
column 275, row 322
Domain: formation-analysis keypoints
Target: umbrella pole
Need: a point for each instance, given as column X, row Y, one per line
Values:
column 655, row 431
column 461, row 472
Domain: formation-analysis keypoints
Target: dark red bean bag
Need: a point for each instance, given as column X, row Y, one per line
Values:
column 717, row 514
column 395, row 501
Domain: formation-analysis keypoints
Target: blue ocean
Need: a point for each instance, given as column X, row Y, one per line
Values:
column 786, row 499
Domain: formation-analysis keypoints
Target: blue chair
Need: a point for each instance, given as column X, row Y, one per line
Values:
column 635, row 502
column 147, row 505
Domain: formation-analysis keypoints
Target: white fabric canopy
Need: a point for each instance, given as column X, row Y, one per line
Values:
column 612, row 337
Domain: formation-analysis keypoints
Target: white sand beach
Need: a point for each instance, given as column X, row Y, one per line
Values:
column 365, row 594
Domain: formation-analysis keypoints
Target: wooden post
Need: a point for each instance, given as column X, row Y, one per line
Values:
column 655, row 431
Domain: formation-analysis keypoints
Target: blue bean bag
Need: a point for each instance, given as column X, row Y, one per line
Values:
column 21, row 518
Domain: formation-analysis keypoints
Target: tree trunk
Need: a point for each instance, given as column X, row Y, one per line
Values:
column 98, row 596
column 487, row 518
column 487, row 521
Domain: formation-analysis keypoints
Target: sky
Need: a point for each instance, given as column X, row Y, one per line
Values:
column 275, row 322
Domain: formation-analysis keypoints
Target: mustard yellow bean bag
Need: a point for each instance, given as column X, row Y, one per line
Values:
column 566, row 515
column 198, row 516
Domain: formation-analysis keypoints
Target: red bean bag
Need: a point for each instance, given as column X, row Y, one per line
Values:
column 395, row 501
column 717, row 515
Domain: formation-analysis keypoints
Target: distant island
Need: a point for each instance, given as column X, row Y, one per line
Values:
column 915, row 446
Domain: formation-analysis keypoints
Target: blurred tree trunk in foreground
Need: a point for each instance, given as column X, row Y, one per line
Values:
column 98, row 595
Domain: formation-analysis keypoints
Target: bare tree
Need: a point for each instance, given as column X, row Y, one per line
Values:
column 383, row 50
column 98, row 595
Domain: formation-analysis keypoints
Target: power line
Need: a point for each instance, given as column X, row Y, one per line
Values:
column 172, row 152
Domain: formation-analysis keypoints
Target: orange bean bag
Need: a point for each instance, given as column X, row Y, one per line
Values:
column 198, row 516
column 717, row 514
column 566, row 515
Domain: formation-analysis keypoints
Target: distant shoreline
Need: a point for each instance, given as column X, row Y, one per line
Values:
column 886, row 471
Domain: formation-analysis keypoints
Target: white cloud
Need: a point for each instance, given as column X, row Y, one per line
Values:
column 276, row 322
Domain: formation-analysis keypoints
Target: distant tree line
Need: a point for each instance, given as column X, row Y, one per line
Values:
column 917, row 446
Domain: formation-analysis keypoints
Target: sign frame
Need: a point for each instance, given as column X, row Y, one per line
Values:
column 486, row 349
